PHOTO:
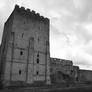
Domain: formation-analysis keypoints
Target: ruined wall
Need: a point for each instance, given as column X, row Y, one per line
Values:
column 85, row 75
column 27, row 56
column 60, row 70
column 61, row 65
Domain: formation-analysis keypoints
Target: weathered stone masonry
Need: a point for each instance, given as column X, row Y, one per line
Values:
column 25, row 48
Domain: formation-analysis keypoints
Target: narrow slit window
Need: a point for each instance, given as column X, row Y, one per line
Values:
column 38, row 55
column 21, row 52
column 37, row 60
column 19, row 72
column 37, row 72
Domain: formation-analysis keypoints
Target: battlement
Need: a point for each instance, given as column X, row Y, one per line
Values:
column 61, row 61
column 32, row 14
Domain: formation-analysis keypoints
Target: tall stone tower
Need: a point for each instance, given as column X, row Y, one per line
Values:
column 25, row 51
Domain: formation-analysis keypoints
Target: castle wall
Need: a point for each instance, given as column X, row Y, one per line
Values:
column 75, row 73
column 3, row 51
column 85, row 75
column 60, row 70
column 61, row 65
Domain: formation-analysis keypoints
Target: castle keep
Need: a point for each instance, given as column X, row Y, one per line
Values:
column 25, row 54
column 25, row 48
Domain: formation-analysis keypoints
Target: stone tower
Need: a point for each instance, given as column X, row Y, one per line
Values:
column 25, row 51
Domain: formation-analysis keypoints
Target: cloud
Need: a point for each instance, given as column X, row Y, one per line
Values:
column 75, row 35
column 70, row 30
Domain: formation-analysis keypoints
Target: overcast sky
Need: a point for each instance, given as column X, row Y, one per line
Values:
column 70, row 26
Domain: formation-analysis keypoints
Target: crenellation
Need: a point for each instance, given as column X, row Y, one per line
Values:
column 31, row 14
column 22, row 9
column 28, row 10
column 42, row 18
column 60, row 61
column 47, row 20
column 38, row 14
column 16, row 6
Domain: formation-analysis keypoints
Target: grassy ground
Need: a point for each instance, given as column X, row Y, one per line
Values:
column 36, row 89
column 81, row 87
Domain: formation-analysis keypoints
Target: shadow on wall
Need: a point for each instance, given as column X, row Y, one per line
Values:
column 60, row 77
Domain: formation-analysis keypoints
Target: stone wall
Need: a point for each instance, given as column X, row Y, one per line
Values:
column 61, row 70
column 85, row 75
column 75, row 73
column 27, row 50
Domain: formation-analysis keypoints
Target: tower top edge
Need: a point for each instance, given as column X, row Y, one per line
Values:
column 31, row 13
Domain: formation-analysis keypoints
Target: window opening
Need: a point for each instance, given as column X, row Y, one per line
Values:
column 19, row 72
column 37, row 72
column 38, row 55
column 21, row 52
column 37, row 60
